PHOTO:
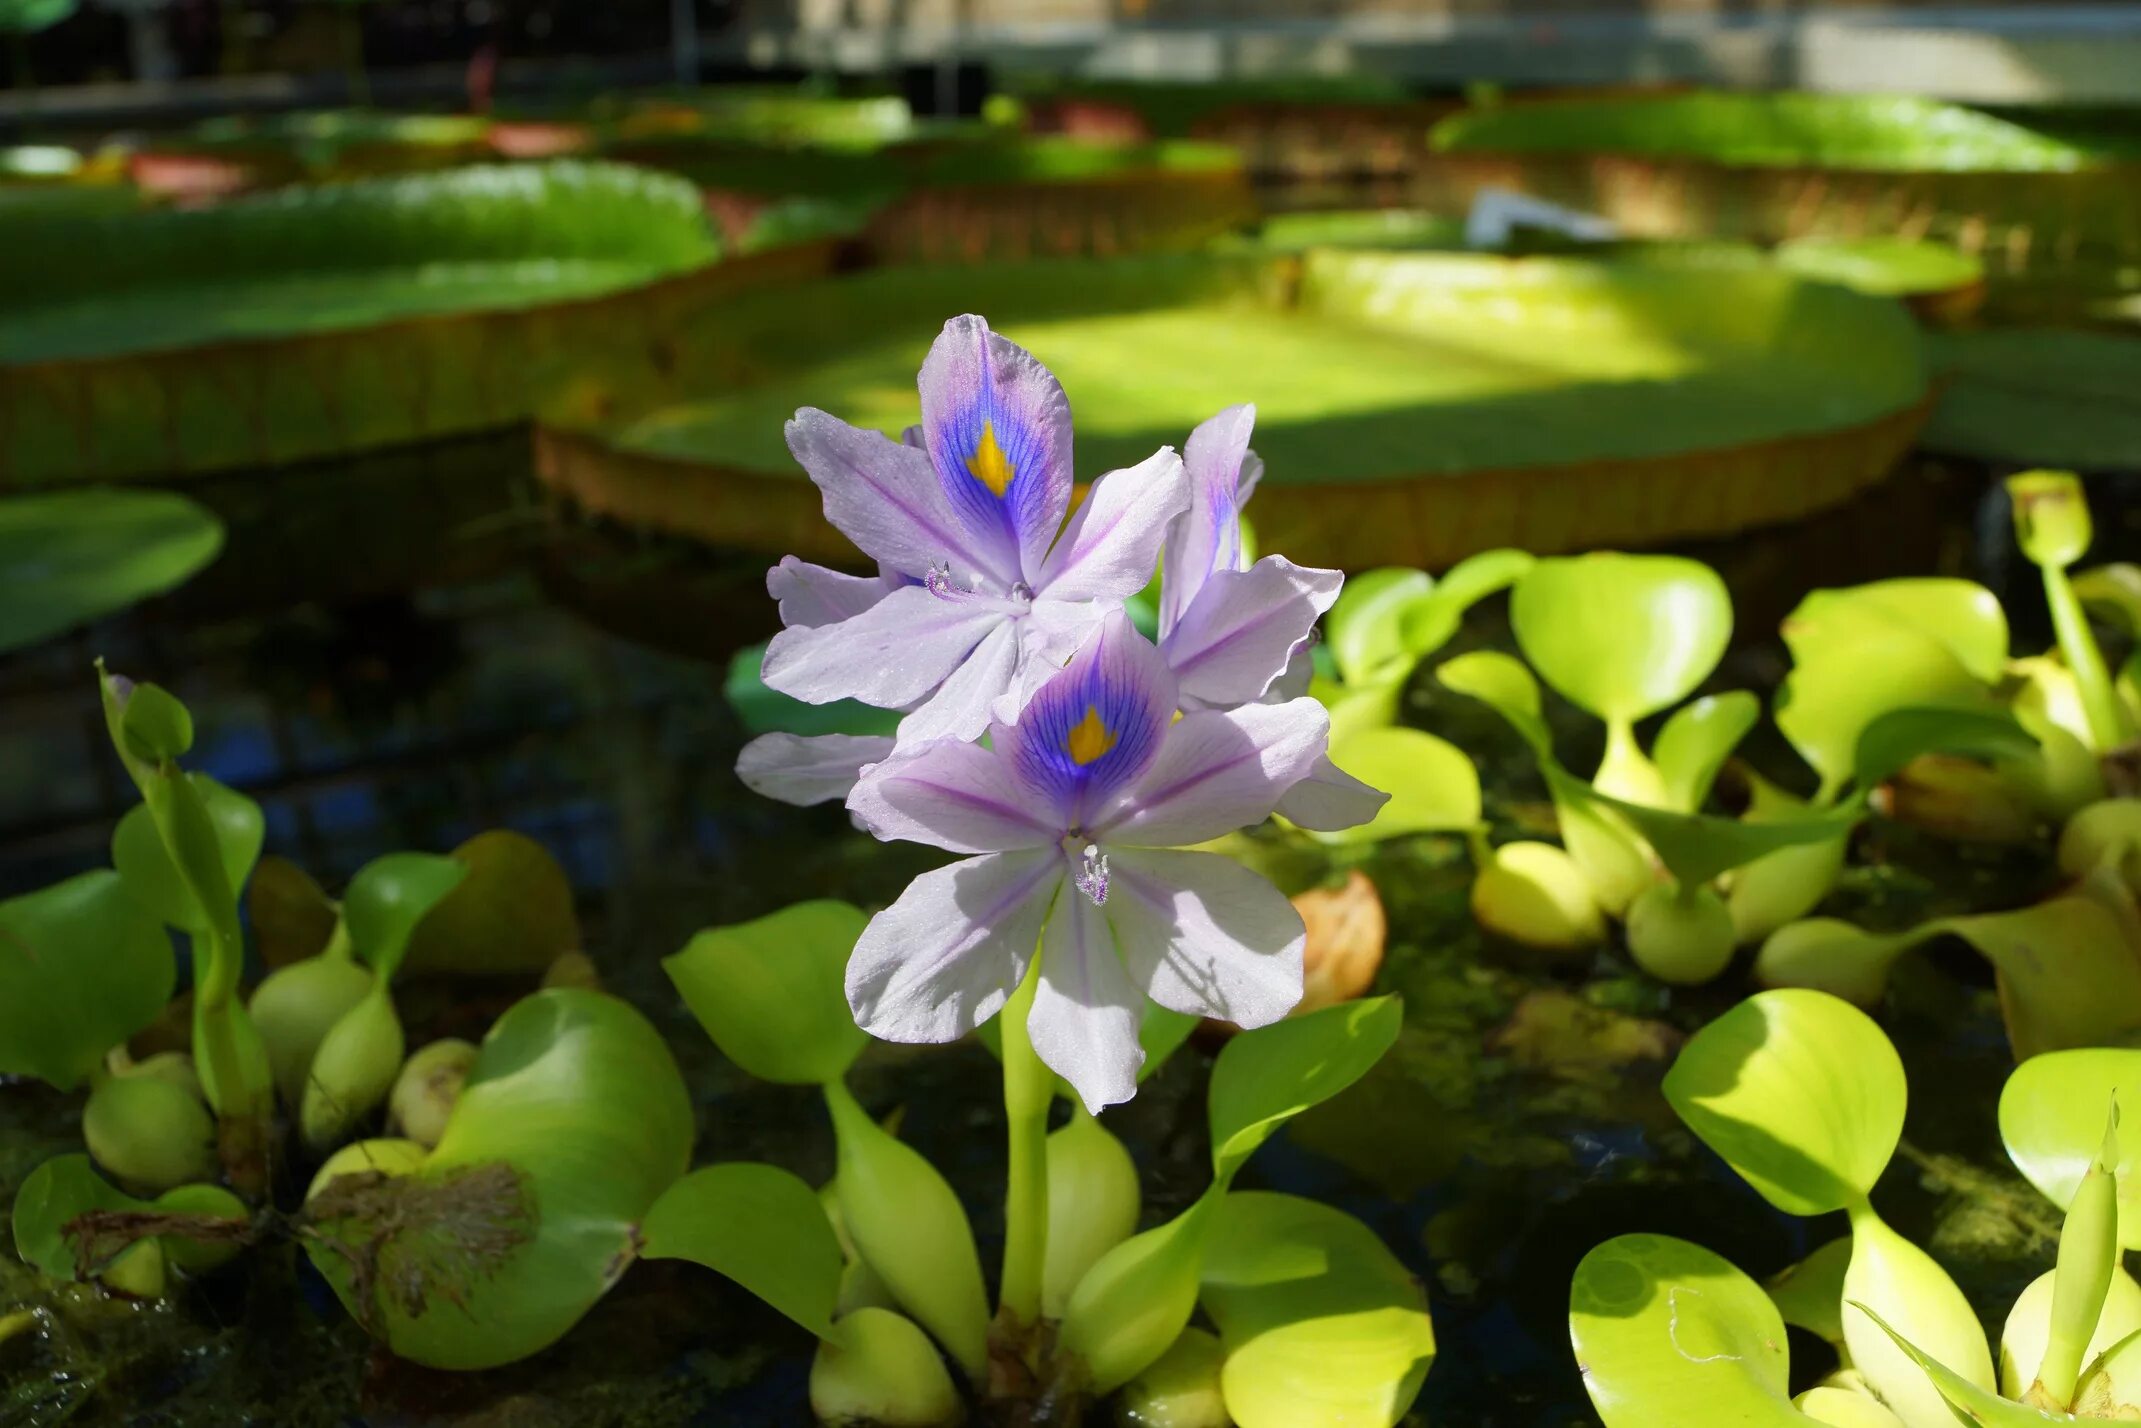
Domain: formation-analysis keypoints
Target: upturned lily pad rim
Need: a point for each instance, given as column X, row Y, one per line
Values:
column 1405, row 518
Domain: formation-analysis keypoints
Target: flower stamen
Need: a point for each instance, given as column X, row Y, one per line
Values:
column 1092, row 875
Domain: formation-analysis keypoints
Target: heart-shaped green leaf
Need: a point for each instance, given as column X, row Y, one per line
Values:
column 388, row 897
column 1320, row 1322
column 1365, row 627
column 1799, row 1092
column 1621, row 636
column 1696, row 741
column 1266, row 1077
column 1668, row 1332
column 772, row 992
column 572, row 1123
column 511, row 916
column 1810, row 1295
column 760, row 1226
column 83, row 966
column 1433, row 784
column 1502, row 683
column 71, row 556
column 2052, row 1123
column 1892, row 739
column 138, row 852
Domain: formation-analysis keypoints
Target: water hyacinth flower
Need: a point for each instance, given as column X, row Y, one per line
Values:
column 985, row 588
column 1076, row 818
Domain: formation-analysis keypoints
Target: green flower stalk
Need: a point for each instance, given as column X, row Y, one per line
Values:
column 151, row 730
column 1029, row 1090
column 2052, row 526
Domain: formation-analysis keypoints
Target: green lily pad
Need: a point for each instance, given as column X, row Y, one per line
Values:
column 75, row 556
column 1889, row 267
column 313, row 322
column 572, row 1123
column 1432, row 405
column 2039, row 396
column 1320, row 1322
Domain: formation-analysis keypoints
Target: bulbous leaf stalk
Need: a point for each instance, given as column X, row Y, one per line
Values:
column 879, row 1368
column 1132, row 1306
column 1093, row 1204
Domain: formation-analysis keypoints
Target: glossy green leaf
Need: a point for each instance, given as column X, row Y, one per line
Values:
column 1697, row 848
column 1799, row 1092
column 2052, row 1123
column 1810, row 1295
column 2113, row 592
column 68, row 1185
column 2111, row 1385
column 1093, row 1204
column 2067, row 971
column 1266, row 1077
column 772, row 992
column 1892, row 739
column 388, row 897
column 1133, row 1304
column 83, row 966
column 2028, row 1329
column 1694, row 744
column 1668, row 1332
column 512, row 915
column 879, row 1367
column 1365, row 627
column 1845, row 1408
column 1888, row 267
column 1972, row 1402
column 570, row 1127
column 1827, row 954
column 1433, row 784
column 1503, row 683
column 1621, row 636
column 72, row 556
column 1320, row 1321
column 758, row 1225
column 1962, row 615
column 139, row 855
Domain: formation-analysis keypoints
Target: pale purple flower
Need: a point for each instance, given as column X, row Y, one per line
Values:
column 986, row 588
column 1235, row 634
column 1078, row 816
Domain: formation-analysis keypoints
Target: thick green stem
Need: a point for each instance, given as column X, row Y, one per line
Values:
column 1029, row 1088
column 2092, row 679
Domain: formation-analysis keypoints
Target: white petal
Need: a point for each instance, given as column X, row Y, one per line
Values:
column 1086, row 1012
column 890, row 655
column 802, row 771
column 1218, row 772
column 960, row 709
column 814, row 595
column 1240, row 633
column 951, row 795
column 885, row 497
column 1110, row 547
column 1049, row 635
column 1204, row 935
column 1330, row 799
column 942, row 959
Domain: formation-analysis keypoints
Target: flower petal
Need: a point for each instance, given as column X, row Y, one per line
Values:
column 960, row 709
column 1218, row 772
column 1330, row 799
column 1051, row 632
column 806, row 770
column 1093, row 726
column 1242, row 630
column 1207, row 540
column 813, row 595
column 1204, row 935
column 885, row 497
column 890, row 655
column 1111, row 545
column 951, row 795
column 998, row 430
column 1086, row 1011
column 942, row 959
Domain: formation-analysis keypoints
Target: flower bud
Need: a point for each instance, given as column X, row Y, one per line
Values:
column 353, row 1071
column 429, row 1085
column 1132, row 1305
column 1092, row 1205
column 150, row 1131
column 1680, row 934
column 1961, row 800
column 1182, row 1390
column 295, row 1008
column 879, row 1368
column 908, row 1223
column 383, row 1156
column 200, row 1256
column 2052, row 522
column 1535, row 893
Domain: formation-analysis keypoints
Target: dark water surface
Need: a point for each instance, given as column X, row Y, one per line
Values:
column 399, row 655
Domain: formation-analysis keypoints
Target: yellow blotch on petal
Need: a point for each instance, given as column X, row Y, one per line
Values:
column 989, row 465
column 1090, row 739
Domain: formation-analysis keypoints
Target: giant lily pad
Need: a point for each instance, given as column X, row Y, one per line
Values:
column 572, row 1123
column 2024, row 198
column 2040, row 396
column 317, row 322
column 1412, row 408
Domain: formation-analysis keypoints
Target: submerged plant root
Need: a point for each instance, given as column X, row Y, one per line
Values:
column 412, row 1238
column 101, row 1236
